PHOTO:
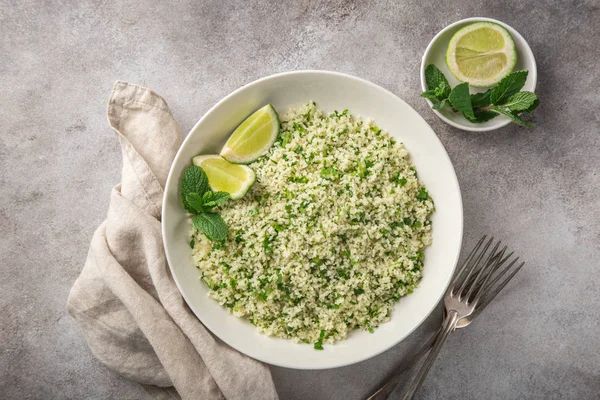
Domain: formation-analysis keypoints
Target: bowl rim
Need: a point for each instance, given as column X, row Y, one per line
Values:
column 393, row 343
column 528, row 55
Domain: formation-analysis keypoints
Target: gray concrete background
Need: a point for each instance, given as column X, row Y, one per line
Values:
column 537, row 188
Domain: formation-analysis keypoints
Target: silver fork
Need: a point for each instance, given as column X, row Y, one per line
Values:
column 472, row 293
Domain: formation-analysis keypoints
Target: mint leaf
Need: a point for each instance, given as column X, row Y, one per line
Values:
column 440, row 105
column 206, row 202
column 520, row 101
column 438, row 86
column 207, row 196
column 512, row 115
column 461, row 100
column 443, row 90
column 535, row 105
column 195, row 202
column 429, row 94
column 483, row 116
column 212, row 225
column 434, row 78
column 481, row 99
column 194, row 181
column 213, row 199
column 220, row 198
column 508, row 86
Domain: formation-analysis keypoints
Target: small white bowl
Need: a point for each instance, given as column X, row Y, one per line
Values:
column 436, row 54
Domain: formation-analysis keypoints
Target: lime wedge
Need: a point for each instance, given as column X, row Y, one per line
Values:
column 481, row 53
column 253, row 138
column 224, row 176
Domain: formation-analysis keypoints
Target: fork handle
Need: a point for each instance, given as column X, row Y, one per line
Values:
column 448, row 326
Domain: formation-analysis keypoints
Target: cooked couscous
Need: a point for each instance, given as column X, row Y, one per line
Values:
column 328, row 238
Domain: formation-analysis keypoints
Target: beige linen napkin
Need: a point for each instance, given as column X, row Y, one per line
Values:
column 125, row 300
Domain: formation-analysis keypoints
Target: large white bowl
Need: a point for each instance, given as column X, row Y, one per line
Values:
column 436, row 54
column 331, row 91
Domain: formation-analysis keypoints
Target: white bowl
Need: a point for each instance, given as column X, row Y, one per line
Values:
column 436, row 54
column 331, row 91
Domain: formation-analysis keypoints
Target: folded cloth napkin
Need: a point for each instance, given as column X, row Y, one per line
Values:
column 125, row 300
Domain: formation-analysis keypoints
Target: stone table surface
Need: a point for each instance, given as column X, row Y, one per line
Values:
column 536, row 188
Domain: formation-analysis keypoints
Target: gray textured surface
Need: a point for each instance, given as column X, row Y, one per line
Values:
column 536, row 188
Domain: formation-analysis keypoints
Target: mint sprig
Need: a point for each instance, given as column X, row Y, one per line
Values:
column 506, row 98
column 437, row 82
column 194, row 181
column 199, row 200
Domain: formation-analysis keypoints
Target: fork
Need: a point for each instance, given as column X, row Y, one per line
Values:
column 465, row 299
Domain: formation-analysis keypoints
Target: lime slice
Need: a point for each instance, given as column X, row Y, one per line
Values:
column 253, row 138
column 481, row 53
column 224, row 176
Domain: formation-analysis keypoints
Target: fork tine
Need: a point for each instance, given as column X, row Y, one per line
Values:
column 466, row 262
column 477, row 275
column 497, row 268
column 478, row 291
column 473, row 273
column 489, row 295
column 500, row 274
column 461, row 287
column 489, row 263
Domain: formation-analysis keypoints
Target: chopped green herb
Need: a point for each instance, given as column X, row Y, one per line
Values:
column 286, row 138
column 298, row 127
column 330, row 174
column 319, row 343
column 267, row 245
column 298, row 179
column 422, row 194
column 342, row 273
column 278, row 227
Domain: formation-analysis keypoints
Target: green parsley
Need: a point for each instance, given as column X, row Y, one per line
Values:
column 298, row 179
column 319, row 343
column 267, row 245
column 298, row 127
column 330, row 174
column 422, row 194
